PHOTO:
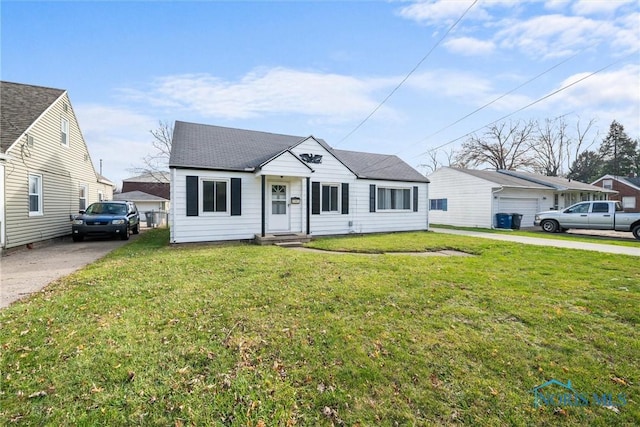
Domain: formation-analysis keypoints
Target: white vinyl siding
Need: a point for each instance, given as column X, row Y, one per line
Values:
column 60, row 179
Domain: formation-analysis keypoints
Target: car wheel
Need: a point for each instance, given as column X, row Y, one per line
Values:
column 136, row 229
column 636, row 232
column 549, row 226
column 125, row 235
column 77, row 237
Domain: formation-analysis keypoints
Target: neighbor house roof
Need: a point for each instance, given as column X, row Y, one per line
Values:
column 20, row 106
column 215, row 147
column 557, row 182
column 155, row 177
column 633, row 182
column 138, row 196
column 502, row 179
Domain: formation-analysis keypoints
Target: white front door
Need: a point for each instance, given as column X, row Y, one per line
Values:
column 279, row 207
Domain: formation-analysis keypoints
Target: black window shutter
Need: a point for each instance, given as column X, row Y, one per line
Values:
column 236, row 196
column 415, row 199
column 345, row 198
column 372, row 198
column 192, row 196
column 315, row 198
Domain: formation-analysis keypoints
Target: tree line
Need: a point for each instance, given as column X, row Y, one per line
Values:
column 552, row 147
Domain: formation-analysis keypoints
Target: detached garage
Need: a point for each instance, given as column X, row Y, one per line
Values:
column 472, row 198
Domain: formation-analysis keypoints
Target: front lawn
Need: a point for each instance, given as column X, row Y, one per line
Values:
column 263, row 336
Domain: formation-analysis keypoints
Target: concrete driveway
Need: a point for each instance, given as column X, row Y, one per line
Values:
column 27, row 271
column 540, row 241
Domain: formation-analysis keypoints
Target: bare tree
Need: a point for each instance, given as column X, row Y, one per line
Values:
column 501, row 146
column 156, row 162
column 551, row 147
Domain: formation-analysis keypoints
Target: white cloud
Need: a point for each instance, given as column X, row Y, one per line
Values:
column 612, row 95
column 438, row 11
column 265, row 92
column 117, row 135
column 470, row 46
column 552, row 36
column 467, row 89
column 591, row 7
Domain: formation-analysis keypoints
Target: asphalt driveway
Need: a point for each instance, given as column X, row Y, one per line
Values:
column 27, row 271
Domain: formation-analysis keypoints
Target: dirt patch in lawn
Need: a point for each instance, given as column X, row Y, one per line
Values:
column 425, row 253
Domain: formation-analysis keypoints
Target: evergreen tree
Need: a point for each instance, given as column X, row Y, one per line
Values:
column 618, row 152
column 587, row 167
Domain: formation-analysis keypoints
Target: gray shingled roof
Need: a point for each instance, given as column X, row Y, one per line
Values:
column 155, row 177
column 378, row 166
column 215, row 147
column 634, row 181
column 557, row 182
column 502, row 179
column 138, row 196
column 20, row 106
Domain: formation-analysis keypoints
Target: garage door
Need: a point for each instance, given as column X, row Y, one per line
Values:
column 524, row 206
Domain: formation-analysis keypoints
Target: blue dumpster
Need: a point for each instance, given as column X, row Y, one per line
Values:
column 503, row 220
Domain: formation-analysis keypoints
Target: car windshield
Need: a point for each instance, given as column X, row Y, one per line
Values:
column 106, row 208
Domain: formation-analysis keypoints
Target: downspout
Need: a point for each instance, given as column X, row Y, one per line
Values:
column 308, row 205
column 264, row 186
column 493, row 197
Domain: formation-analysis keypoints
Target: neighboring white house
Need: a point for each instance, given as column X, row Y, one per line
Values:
column 46, row 173
column 234, row 184
column 146, row 203
column 472, row 198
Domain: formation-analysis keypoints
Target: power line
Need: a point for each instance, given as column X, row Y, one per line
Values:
column 555, row 92
column 408, row 75
column 518, row 110
column 548, row 70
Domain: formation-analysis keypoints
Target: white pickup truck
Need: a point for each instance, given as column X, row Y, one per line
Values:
column 596, row 215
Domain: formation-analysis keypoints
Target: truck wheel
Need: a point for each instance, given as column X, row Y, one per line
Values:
column 549, row 226
column 636, row 232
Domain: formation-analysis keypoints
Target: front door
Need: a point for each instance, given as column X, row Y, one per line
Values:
column 279, row 208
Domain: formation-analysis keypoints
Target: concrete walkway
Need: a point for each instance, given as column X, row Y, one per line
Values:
column 587, row 246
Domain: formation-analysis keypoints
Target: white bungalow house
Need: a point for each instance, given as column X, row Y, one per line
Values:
column 472, row 198
column 234, row 184
column 46, row 173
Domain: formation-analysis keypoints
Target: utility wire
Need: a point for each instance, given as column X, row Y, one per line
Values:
column 548, row 70
column 514, row 112
column 555, row 92
column 408, row 75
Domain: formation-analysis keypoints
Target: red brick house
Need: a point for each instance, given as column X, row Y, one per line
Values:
column 156, row 184
column 628, row 190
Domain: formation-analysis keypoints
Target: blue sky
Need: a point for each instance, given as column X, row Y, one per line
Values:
column 320, row 68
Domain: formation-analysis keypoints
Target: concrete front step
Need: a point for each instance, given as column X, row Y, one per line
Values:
column 284, row 238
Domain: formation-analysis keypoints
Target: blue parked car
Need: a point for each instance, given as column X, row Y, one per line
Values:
column 115, row 218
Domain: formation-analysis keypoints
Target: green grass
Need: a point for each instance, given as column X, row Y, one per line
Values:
column 558, row 236
column 248, row 335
